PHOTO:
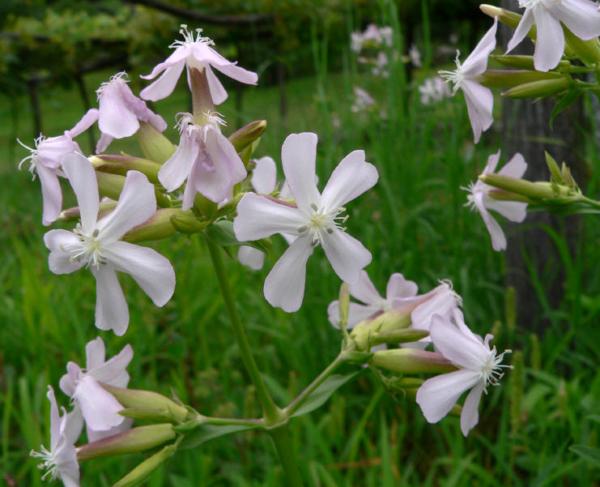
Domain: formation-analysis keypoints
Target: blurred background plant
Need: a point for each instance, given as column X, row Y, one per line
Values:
column 541, row 428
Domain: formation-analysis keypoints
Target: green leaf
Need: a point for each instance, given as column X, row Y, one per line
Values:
column 588, row 453
column 322, row 393
column 563, row 103
column 209, row 432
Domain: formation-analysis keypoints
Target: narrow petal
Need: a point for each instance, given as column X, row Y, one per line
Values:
column 251, row 257
column 153, row 272
column 89, row 118
column 178, row 56
column 218, row 93
column 522, row 30
column 177, row 168
column 59, row 242
column 469, row 415
column 94, row 435
column 298, row 156
column 438, row 395
column 95, row 353
column 99, row 408
column 103, row 142
column 116, row 118
column 477, row 61
column 137, row 203
column 72, row 424
column 112, row 312
column 511, row 210
column 351, row 178
column 492, row 163
column 462, row 349
column 114, row 371
column 69, row 381
column 235, row 72
column 163, row 86
column 480, row 105
column 264, row 175
column 550, row 41
column 82, row 177
column 51, row 194
column 284, row 286
column 399, row 287
column 515, row 168
column 260, row 217
column 54, row 418
column 494, row 229
column 580, row 16
column 346, row 254
column 364, row 290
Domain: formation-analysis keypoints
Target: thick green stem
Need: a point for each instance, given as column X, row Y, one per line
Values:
column 285, row 450
column 269, row 407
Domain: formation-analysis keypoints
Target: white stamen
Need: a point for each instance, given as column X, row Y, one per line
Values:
column 456, row 77
column 119, row 77
column 191, row 37
column 48, row 463
column 491, row 371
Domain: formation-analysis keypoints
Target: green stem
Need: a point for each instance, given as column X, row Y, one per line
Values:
column 233, row 421
column 285, row 450
column 269, row 407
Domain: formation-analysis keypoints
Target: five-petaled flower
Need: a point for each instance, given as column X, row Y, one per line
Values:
column 120, row 112
column 99, row 408
column 478, row 366
column 315, row 219
column 194, row 52
column 96, row 243
column 480, row 100
column 206, row 158
column 479, row 198
column 581, row 17
column 60, row 461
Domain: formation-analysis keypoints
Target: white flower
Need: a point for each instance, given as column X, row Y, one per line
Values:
column 480, row 100
column 120, row 112
column 433, row 89
column 96, row 244
column 478, row 366
column 204, row 157
column 98, row 407
column 46, row 159
column 401, row 295
column 580, row 16
column 315, row 219
column 480, row 200
column 196, row 52
column 60, row 461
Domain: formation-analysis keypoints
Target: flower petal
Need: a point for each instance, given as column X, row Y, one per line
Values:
column 114, row 371
column 469, row 415
column 95, row 353
column 112, row 312
column 298, row 156
column 177, row 168
column 494, row 229
column 480, row 105
column 477, row 61
column 260, row 217
column 364, row 290
column 438, row 395
column 251, row 257
column 522, row 30
column 462, row 349
column 351, row 178
column 511, row 210
column 515, row 168
column 236, row 72
column 441, row 301
column 69, row 380
column 284, row 286
column 82, row 177
column 163, row 86
column 51, row 194
column 580, row 16
column 346, row 254
column 99, row 408
column 94, row 435
column 59, row 242
column 218, row 93
column 264, row 175
column 137, row 203
column 356, row 313
column 153, row 272
column 177, row 57
column 550, row 41
column 399, row 287
column 116, row 118
column 89, row 118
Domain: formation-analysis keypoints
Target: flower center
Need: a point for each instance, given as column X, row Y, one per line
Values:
column 89, row 251
column 321, row 221
column 48, row 463
column 492, row 369
column 456, row 77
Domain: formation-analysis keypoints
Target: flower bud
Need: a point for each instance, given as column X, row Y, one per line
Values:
column 145, row 469
column 523, row 62
column 132, row 441
column 158, row 227
column 147, row 405
column 154, row 145
column 386, row 322
column 344, row 305
column 121, row 163
column 511, row 19
column 110, row 185
column 498, row 78
column 187, row 222
column 248, row 134
column 586, row 51
column 411, row 361
column 393, row 337
column 539, row 89
column 533, row 191
column 106, row 205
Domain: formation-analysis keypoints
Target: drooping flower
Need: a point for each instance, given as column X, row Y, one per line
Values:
column 120, row 112
column 263, row 180
column 98, row 407
column 401, row 295
column 478, row 366
column 194, row 51
column 206, row 159
column 479, row 198
column 45, row 160
column 581, row 17
column 479, row 99
column 95, row 243
column 315, row 219
column 60, row 461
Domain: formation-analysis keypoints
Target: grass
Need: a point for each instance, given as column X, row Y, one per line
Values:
column 414, row 222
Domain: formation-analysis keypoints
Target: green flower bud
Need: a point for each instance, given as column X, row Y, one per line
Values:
column 154, row 145
column 523, row 62
column 586, row 51
column 248, row 134
column 505, row 17
column 133, row 441
column 497, row 78
column 158, row 227
column 120, row 164
column 533, row 191
column 393, row 337
column 539, row 89
column 411, row 361
column 145, row 469
column 344, row 305
column 187, row 222
column 110, row 185
column 386, row 322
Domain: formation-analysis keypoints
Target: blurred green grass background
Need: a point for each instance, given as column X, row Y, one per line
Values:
column 534, row 429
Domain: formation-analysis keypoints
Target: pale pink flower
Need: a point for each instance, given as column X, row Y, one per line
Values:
column 60, row 461
column 581, row 17
column 206, row 159
column 194, row 51
column 45, row 160
column 96, row 244
column 120, row 112
column 433, row 90
column 363, row 101
column 478, row 366
column 401, row 295
column 315, row 219
column 415, row 56
column 99, row 408
column 480, row 200
column 480, row 100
